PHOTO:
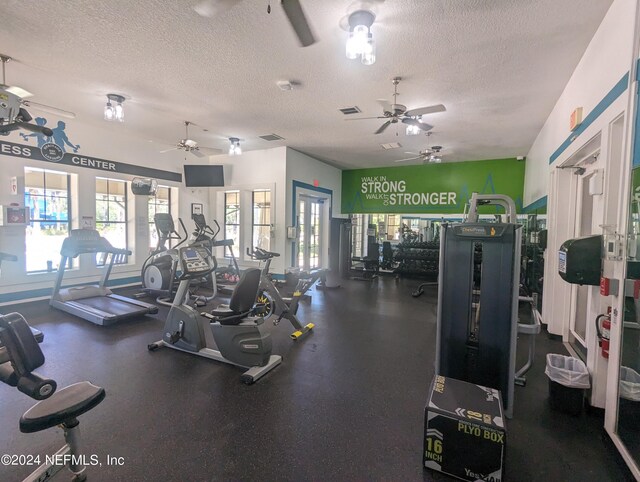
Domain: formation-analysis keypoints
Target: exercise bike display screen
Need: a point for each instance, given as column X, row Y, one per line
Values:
column 191, row 254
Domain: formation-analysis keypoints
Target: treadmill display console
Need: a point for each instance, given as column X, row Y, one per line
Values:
column 194, row 260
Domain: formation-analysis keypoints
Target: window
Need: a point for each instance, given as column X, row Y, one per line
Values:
column 232, row 219
column 357, row 234
column 111, row 215
column 393, row 227
column 47, row 194
column 261, row 228
column 159, row 203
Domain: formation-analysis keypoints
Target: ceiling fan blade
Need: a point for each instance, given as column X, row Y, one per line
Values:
column 382, row 127
column 197, row 153
column 19, row 91
column 169, row 150
column 408, row 159
column 210, row 8
column 367, row 118
column 432, row 109
column 49, row 109
column 210, row 150
column 295, row 14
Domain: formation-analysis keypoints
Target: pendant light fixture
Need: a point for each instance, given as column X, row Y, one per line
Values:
column 360, row 41
column 114, row 112
column 234, row 146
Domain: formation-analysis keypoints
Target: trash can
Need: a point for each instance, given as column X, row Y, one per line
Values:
column 568, row 380
column 629, row 403
column 629, row 384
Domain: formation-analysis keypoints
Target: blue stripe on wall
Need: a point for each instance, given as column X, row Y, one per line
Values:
column 608, row 99
column 39, row 293
column 540, row 203
column 294, row 208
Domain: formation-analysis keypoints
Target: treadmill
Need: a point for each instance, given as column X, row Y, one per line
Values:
column 39, row 336
column 94, row 303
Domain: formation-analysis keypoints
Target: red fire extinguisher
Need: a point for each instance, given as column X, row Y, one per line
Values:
column 603, row 328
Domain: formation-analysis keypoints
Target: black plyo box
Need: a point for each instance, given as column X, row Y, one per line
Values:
column 464, row 430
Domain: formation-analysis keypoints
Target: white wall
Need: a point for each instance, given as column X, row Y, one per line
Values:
column 306, row 169
column 608, row 58
column 101, row 140
column 262, row 169
column 274, row 169
column 603, row 64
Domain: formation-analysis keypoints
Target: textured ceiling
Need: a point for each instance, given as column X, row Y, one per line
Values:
column 497, row 65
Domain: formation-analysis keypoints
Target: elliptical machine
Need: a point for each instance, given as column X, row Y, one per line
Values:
column 159, row 270
column 227, row 277
column 240, row 338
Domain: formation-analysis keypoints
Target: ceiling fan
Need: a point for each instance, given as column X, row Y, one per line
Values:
column 398, row 113
column 292, row 9
column 13, row 115
column 191, row 146
column 426, row 155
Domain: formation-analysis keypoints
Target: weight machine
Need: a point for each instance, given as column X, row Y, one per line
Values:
column 478, row 300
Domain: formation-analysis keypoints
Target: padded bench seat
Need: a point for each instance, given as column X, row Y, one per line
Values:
column 62, row 406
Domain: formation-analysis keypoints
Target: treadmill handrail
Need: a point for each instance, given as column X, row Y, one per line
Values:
column 90, row 242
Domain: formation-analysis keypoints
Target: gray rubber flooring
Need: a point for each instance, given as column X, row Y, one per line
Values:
column 346, row 404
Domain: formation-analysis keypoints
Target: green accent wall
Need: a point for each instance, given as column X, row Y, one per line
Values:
column 430, row 188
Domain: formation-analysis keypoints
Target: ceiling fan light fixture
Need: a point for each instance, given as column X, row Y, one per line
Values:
column 111, row 112
column 360, row 42
column 369, row 54
column 413, row 130
column 234, row 146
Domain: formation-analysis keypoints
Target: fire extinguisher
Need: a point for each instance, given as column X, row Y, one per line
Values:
column 604, row 333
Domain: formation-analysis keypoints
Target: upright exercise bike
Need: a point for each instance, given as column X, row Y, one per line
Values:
column 240, row 338
column 270, row 301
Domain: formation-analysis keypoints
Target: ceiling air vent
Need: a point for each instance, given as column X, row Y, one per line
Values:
column 391, row 145
column 272, row 137
column 350, row 110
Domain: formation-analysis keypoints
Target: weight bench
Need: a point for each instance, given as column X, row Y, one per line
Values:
column 20, row 354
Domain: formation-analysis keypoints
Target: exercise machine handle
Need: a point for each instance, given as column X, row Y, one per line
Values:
column 31, row 384
column 261, row 254
column 218, row 228
column 184, row 230
column 498, row 199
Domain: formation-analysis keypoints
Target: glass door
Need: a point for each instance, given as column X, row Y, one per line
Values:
column 584, row 227
column 310, row 232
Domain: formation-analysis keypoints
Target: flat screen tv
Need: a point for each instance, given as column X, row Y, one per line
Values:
column 203, row 176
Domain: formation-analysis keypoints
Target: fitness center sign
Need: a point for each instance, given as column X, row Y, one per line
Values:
column 429, row 188
column 51, row 152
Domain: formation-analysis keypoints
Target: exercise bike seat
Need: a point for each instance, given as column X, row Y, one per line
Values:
column 242, row 300
column 63, row 406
